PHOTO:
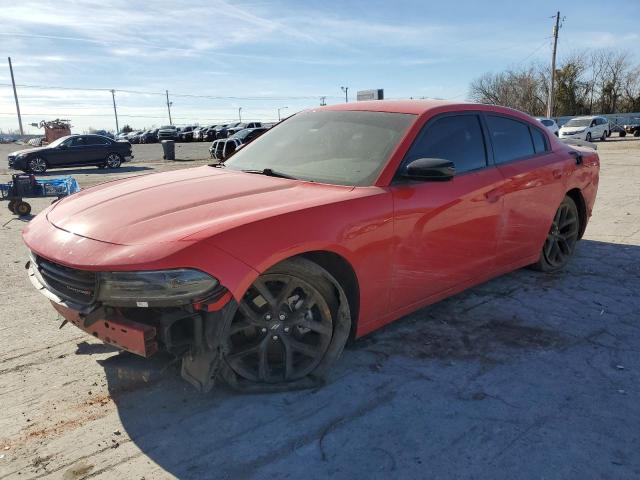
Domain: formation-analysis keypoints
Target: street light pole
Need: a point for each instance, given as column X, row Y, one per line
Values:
column 15, row 95
column 281, row 108
column 115, row 111
column 240, row 113
column 169, row 107
column 346, row 94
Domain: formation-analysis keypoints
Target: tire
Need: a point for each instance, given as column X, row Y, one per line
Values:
column 290, row 327
column 604, row 136
column 22, row 208
column 588, row 137
column 561, row 239
column 12, row 206
column 113, row 160
column 637, row 133
column 622, row 133
column 37, row 165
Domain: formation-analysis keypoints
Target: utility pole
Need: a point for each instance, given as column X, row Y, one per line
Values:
column 115, row 111
column 323, row 101
column 240, row 114
column 556, row 29
column 15, row 95
column 169, row 107
column 281, row 108
column 346, row 94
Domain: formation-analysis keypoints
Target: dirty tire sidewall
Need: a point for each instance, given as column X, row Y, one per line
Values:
column 542, row 264
column 341, row 317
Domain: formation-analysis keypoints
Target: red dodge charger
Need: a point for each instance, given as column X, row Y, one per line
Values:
column 334, row 223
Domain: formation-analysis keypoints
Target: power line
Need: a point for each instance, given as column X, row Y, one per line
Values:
column 186, row 95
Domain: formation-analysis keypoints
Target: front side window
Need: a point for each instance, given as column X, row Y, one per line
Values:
column 457, row 138
column 78, row 142
column 511, row 139
column 336, row 147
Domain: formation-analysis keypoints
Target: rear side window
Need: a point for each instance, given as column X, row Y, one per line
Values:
column 511, row 139
column 97, row 141
column 539, row 141
column 457, row 138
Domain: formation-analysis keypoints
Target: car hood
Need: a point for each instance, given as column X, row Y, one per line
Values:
column 27, row 150
column 172, row 206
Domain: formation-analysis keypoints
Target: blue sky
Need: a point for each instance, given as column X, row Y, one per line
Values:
column 267, row 52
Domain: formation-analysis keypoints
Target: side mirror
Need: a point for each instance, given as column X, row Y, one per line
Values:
column 430, row 169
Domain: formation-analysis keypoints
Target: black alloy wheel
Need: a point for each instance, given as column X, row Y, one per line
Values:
column 37, row 165
column 290, row 327
column 562, row 238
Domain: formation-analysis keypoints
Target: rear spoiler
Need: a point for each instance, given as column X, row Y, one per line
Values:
column 579, row 143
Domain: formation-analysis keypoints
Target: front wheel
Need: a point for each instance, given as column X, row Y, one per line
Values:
column 561, row 239
column 37, row 165
column 289, row 329
column 588, row 137
column 114, row 160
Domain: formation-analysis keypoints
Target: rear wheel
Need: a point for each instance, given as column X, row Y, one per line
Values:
column 561, row 239
column 622, row 133
column 288, row 328
column 37, row 165
column 637, row 133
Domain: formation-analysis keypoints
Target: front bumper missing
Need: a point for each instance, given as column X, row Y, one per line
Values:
column 131, row 336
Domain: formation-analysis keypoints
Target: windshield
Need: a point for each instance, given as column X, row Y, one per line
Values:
column 578, row 122
column 337, row 147
column 59, row 141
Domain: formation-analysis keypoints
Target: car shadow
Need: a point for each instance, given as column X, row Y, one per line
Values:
column 411, row 391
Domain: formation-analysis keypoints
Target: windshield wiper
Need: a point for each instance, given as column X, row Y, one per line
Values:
column 271, row 173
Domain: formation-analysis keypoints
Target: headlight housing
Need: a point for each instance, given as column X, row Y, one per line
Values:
column 155, row 288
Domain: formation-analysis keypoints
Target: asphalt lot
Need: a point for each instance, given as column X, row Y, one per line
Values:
column 526, row 376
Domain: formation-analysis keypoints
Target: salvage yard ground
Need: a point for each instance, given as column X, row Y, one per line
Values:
column 526, row 376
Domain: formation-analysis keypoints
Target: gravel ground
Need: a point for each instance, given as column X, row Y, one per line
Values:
column 526, row 376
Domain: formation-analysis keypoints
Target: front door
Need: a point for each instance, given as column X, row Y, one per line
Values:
column 446, row 232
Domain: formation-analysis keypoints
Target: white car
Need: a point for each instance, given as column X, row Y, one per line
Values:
column 550, row 124
column 586, row 128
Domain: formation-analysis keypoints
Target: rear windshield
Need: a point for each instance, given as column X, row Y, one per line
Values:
column 337, row 147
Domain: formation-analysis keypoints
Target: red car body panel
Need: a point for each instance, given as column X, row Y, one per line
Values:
column 409, row 244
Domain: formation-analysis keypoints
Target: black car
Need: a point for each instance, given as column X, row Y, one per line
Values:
column 186, row 133
column 72, row 151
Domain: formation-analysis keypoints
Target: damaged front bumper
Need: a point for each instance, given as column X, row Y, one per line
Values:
column 191, row 332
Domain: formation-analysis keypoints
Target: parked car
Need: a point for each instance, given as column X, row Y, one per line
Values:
column 332, row 224
column 224, row 148
column 550, row 124
column 167, row 132
column 241, row 126
column 103, row 133
column 134, row 137
column 586, row 128
column 200, row 134
column 149, row 136
column 121, row 136
column 210, row 133
column 186, row 133
column 72, row 151
column 222, row 130
column 632, row 128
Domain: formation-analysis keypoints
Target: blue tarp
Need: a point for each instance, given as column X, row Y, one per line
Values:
column 49, row 187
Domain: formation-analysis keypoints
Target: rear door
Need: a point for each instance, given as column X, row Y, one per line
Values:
column 446, row 232
column 532, row 191
column 97, row 148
